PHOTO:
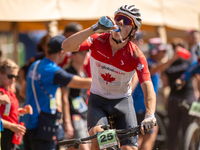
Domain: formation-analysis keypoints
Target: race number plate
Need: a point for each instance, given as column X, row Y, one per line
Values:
column 195, row 109
column 107, row 139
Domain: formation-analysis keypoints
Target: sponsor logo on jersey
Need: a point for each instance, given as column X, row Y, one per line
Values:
column 140, row 67
column 122, row 63
column 107, row 77
column 103, row 54
column 115, row 71
column 98, row 64
column 90, row 39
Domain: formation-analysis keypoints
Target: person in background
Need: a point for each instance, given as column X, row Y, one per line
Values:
column 42, row 49
column 8, row 75
column 77, row 99
column 177, row 114
column 192, row 38
column 71, row 28
column 4, row 99
column 193, row 70
column 51, row 77
column 157, row 51
column 114, row 60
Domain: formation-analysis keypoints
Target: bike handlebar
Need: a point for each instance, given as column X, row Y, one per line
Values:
column 120, row 132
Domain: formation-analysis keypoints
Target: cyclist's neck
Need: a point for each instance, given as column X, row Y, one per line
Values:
column 116, row 46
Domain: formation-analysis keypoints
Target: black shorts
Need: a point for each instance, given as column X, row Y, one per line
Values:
column 100, row 108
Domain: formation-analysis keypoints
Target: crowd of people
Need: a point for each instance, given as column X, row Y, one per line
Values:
column 101, row 72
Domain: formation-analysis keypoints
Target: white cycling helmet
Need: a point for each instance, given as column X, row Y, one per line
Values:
column 133, row 12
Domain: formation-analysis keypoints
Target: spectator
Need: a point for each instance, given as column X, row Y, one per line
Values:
column 192, row 38
column 42, row 51
column 193, row 70
column 157, row 51
column 4, row 99
column 8, row 75
column 70, row 29
column 51, row 77
column 178, row 115
column 77, row 99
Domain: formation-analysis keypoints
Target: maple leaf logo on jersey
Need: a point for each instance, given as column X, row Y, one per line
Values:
column 107, row 77
column 140, row 67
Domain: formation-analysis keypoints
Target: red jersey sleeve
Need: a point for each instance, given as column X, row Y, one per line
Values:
column 88, row 43
column 140, row 65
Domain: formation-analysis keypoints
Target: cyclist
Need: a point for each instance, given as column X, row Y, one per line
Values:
column 193, row 69
column 113, row 63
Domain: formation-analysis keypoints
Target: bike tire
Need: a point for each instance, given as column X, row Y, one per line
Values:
column 193, row 130
column 161, row 137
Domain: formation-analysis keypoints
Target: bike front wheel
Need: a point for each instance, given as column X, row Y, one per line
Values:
column 192, row 137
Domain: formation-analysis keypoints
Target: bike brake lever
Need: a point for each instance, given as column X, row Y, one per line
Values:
column 105, row 127
column 69, row 146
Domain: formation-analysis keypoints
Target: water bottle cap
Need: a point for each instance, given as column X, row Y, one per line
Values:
column 117, row 29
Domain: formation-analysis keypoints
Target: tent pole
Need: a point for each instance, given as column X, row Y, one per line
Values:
column 161, row 32
column 15, row 40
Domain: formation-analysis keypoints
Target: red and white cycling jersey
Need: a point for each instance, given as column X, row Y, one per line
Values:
column 112, row 73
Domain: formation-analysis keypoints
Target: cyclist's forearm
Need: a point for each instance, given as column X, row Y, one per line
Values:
column 73, row 42
column 149, row 97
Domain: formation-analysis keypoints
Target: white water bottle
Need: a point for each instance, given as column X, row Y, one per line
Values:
column 7, row 109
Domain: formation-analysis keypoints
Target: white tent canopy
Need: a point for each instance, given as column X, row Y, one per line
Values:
column 177, row 14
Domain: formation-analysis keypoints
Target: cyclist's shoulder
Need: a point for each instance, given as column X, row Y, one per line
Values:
column 134, row 50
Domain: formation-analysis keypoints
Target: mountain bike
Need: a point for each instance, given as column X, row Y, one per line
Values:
column 107, row 139
column 192, row 136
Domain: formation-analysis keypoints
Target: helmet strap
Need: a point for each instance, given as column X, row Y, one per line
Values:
column 119, row 41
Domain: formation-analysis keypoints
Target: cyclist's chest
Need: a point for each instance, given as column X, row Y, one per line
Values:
column 120, row 59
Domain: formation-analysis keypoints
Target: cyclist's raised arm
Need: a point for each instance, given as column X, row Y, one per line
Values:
column 73, row 42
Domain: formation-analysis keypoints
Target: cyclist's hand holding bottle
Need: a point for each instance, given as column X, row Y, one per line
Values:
column 148, row 123
column 104, row 24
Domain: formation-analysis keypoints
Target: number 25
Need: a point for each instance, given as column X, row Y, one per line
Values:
column 109, row 137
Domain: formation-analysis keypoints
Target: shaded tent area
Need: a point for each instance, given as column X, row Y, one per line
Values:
column 164, row 18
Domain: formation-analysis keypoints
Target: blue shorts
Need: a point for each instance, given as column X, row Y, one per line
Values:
column 122, row 110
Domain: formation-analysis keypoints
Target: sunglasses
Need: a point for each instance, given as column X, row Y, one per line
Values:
column 126, row 20
column 11, row 76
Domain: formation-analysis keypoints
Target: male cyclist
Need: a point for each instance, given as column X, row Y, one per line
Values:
column 113, row 64
column 193, row 69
